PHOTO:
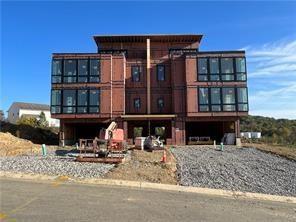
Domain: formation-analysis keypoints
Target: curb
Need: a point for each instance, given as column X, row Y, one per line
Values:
column 156, row 186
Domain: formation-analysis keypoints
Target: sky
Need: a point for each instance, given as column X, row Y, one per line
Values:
column 32, row 31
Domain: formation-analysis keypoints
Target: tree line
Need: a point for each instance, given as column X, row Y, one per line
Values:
column 275, row 131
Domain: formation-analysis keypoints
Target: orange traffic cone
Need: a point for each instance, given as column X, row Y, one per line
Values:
column 164, row 157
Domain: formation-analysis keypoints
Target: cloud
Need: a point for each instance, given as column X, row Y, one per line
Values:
column 272, row 59
column 272, row 79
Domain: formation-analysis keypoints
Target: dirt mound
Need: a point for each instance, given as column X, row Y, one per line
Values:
column 146, row 166
column 11, row 145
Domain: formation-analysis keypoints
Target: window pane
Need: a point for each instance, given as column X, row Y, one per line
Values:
column 242, row 107
column 136, row 73
column 94, row 79
column 95, row 67
column 215, row 96
column 57, row 67
column 203, row 96
column 228, row 95
column 94, row 97
column 82, row 79
column 241, row 76
column 137, row 103
column 69, row 79
column 229, row 108
column 226, row 65
column 214, row 77
column 204, row 108
column 82, row 109
column 214, row 65
column 93, row 109
column 160, row 73
column 69, row 98
column 242, row 95
column 83, row 67
column 202, row 77
column 227, row 77
column 216, row 108
column 82, row 98
column 70, row 109
column 56, row 79
column 160, row 103
column 56, row 97
column 70, row 67
column 240, row 65
column 202, row 66
column 55, row 109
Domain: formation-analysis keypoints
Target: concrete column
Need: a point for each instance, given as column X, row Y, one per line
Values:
column 148, row 77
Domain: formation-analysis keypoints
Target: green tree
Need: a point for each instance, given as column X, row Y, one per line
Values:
column 31, row 121
column 42, row 122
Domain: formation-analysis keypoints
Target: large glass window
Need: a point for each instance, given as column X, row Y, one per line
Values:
column 82, row 70
column 82, row 101
column 69, row 101
column 70, row 66
column 242, row 99
column 57, row 68
column 94, row 101
column 202, row 67
column 228, row 99
column 214, row 69
column 160, row 72
column 227, row 70
column 56, row 101
column 215, row 99
column 95, row 69
column 136, row 73
column 240, row 64
column 203, row 99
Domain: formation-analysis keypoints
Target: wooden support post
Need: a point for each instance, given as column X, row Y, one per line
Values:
column 148, row 77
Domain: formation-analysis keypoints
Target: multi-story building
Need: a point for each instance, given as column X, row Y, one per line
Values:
column 149, row 84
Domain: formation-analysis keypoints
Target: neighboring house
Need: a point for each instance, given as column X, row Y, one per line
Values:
column 19, row 109
column 150, row 84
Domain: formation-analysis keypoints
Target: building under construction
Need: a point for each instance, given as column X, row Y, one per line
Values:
column 159, row 85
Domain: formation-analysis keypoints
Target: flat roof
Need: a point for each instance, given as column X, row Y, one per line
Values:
column 182, row 38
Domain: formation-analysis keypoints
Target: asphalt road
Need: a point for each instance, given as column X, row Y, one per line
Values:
column 55, row 201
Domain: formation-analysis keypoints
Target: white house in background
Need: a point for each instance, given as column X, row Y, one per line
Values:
column 19, row 109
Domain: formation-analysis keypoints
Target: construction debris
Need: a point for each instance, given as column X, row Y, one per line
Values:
column 244, row 169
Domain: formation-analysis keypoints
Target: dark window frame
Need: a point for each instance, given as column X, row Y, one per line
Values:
column 206, row 77
column 157, row 72
column 210, row 104
column 89, row 75
column 78, row 72
column 139, row 73
column 56, row 106
column 62, row 71
column 242, row 103
column 76, row 106
column 135, row 107
column 158, row 104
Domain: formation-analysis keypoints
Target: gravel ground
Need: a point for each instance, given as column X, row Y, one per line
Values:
column 53, row 165
column 244, row 169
